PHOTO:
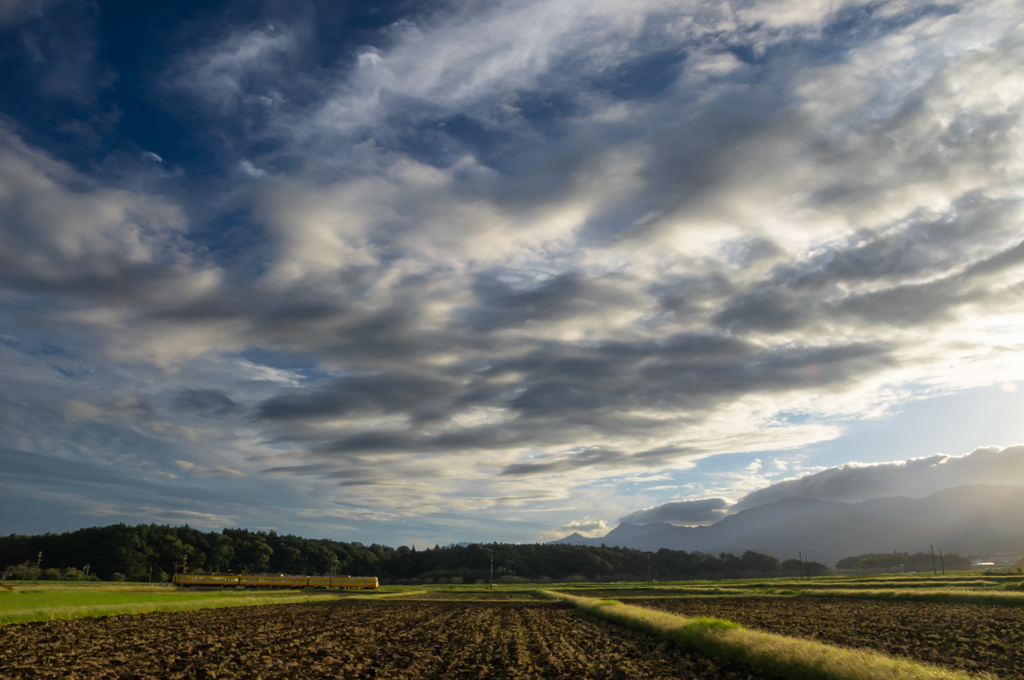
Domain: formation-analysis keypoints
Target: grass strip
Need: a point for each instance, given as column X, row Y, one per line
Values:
column 84, row 611
column 382, row 596
column 867, row 585
column 1003, row 597
column 768, row 653
column 950, row 596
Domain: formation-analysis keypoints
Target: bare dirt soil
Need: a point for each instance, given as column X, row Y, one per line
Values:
column 349, row 639
column 479, row 595
column 968, row 637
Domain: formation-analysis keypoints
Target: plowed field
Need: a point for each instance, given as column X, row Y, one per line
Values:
column 484, row 595
column 968, row 637
column 351, row 639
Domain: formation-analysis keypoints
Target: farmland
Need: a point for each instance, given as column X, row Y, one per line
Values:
column 353, row 639
column 518, row 631
column 972, row 638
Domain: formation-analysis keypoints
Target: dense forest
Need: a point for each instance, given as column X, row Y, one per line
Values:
column 132, row 553
column 921, row 561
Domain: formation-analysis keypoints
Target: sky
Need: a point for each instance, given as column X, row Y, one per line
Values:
column 415, row 273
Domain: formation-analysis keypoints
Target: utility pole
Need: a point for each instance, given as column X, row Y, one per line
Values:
column 800, row 556
column 39, row 562
column 151, row 574
column 492, row 572
column 934, row 570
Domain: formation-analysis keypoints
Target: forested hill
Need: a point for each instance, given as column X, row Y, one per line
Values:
column 132, row 550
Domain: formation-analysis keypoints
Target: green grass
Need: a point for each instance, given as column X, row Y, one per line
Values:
column 772, row 654
column 1001, row 597
column 966, row 595
column 931, row 583
column 72, row 601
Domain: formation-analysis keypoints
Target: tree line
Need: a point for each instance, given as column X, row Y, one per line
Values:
column 133, row 553
column 922, row 561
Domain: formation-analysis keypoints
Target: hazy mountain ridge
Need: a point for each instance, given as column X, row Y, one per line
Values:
column 973, row 519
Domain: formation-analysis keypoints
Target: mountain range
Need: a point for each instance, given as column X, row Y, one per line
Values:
column 967, row 520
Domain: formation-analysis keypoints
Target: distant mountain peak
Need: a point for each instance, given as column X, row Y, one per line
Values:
column 969, row 519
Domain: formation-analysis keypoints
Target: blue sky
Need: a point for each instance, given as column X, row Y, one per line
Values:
column 415, row 273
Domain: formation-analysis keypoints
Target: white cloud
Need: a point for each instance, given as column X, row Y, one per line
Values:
column 914, row 478
column 217, row 74
column 584, row 527
column 77, row 410
column 251, row 170
column 60, row 226
column 202, row 519
column 219, row 470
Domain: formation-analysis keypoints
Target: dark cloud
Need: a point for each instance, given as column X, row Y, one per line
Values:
column 422, row 396
column 599, row 458
column 205, row 403
column 566, row 296
column 411, row 442
column 703, row 511
column 920, row 275
column 688, row 373
column 562, row 395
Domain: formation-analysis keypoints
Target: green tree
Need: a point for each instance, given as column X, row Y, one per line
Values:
column 72, row 574
column 254, row 556
column 758, row 563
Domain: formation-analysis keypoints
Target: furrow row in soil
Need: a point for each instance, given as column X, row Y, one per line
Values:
column 972, row 638
column 351, row 639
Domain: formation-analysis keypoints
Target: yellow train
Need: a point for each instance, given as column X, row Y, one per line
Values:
column 223, row 580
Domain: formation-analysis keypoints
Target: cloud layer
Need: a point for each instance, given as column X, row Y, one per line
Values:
column 477, row 261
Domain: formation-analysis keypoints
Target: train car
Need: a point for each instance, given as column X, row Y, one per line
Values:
column 346, row 582
column 222, row 580
column 232, row 580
